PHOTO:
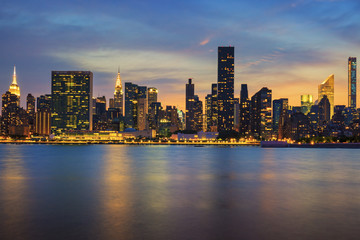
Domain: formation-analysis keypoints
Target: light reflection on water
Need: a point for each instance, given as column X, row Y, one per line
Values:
column 13, row 192
column 178, row 192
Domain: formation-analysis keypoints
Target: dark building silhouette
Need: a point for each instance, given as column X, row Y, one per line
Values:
column 14, row 119
column 190, row 107
column 337, row 123
column 324, row 111
column 225, row 89
column 71, row 93
column 100, row 115
column 198, row 114
column 115, row 119
column 244, row 118
column 111, row 103
column 30, row 109
column 154, row 115
column 261, row 121
column 300, row 126
column 208, row 112
column 133, row 93
column 280, row 107
column 194, row 109
column 314, row 117
column 350, row 115
column 171, row 114
column 211, row 109
column 43, row 101
column 30, row 104
column 131, row 96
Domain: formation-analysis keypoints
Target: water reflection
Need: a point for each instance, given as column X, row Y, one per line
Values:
column 178, row 192
column 13, row 193
column 117, row 204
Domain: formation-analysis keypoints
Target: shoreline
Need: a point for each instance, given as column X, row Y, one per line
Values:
column 129, row 143
column 279, row 144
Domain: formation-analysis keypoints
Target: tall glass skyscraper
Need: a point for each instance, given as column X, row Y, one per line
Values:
column 71, row 100
column 225, row 88
column 352, row 82
column 327, row 88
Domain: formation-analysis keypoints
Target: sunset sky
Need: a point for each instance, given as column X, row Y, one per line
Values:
column 287, row 46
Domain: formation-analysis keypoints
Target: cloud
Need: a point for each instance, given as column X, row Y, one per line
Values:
column 204, row 42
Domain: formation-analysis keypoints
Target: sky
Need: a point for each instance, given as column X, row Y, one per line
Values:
column 289, row 46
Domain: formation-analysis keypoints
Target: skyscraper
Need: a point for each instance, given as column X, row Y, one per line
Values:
column 279, row 106
column 14, row 87
column 327, row 88
column 208, row 112
column 189, row 113
column 261, row 122
column 154, row 115
column 30, row 104
column 71, row 100
column 198, row 114
column 211, row 109
column 131, row 96
column 142, row 114
column 324, row 111
column 352, row 82
column 225, row 96
column 118, row 94
column 30, row 109
column 152, row 95
column 236, row 114
column 244, row 111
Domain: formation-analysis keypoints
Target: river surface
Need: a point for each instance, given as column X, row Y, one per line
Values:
column 178, row 192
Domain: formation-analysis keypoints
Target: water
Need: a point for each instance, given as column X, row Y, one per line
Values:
column 178, row 192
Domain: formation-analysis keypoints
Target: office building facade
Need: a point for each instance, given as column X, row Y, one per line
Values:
column 71, row 93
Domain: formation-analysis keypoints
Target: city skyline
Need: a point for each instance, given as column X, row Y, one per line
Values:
column 294, row 45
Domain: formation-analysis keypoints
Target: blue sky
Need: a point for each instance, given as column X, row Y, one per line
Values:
column 288, row 46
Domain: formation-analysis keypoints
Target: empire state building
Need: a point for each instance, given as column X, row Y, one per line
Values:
column 14, row 87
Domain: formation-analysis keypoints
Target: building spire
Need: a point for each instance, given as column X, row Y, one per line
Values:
column 118, row 85
column 14, row 87
column 14, row 76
